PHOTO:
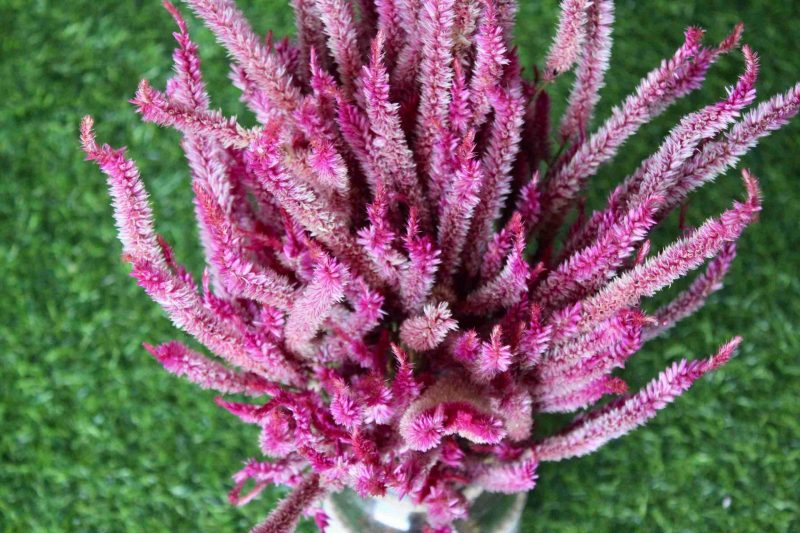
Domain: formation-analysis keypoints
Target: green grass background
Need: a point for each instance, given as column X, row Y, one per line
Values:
column 94, row 436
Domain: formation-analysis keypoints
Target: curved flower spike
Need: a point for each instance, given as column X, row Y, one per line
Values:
column 446, row 408
column 620, row 417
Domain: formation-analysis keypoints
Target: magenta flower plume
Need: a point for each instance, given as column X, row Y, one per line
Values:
column 389, row 281
column 208, row 374
column 427, row 331
column 568, row 42
column 285, row 516
column 591, row 431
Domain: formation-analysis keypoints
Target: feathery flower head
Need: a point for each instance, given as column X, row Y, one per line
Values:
column 388, row 276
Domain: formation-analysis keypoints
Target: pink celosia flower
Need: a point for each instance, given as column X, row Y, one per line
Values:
column 426, row 332
column 568, row 41
column 384, row 276
column 595, row 429
column 509, row 478
column 591, row 69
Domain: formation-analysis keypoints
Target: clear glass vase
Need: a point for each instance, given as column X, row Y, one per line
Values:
column 489, row 513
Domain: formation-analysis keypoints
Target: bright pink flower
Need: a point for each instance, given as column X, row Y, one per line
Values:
column 285, row 516
column 571, row 33
column 535, row 339
column 657, row 174
column 592, row 66
column 459, row 206
column 234, row 32
column 674, row 78
column 155, row 107
column 589, row 269
column 497, row 163
column 435, row 27
column 493, row 358
column 490, row 60
column 675, row 261
column 426, row 332
column 337, row 18
column 418, row 275
column 447, row 408
column 314, row 304
column 509, row 286
column 240, row 275
column 509, row 478
column 595, row 429
column 693, row 298
column 717, row 156
column 208, row 374
column 393, row 160
column 310, row 34
column 263, row 475
column 386, row 277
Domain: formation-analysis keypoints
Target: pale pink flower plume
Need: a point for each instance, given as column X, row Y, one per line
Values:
column 389, row 279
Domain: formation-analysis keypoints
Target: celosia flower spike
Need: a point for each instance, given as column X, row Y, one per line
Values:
column 240, row 276
column 263, row 474
column 131, row 205
column 234, row 32
column 310, row 34
column 675, row 261
column 377, row 239
column 510, row 478
column 205, row 155
column 460, row 109
column 717, row 156
column 393, row 159
column 155, row 107
column 490, row 60
column 404, row 75
column 390, row 26
column 535, row 339
column 571, row 33
column 459, row 206
column 658, row 173
column 208, row 374
column 337, row 18
column 404, row 385
column 587, row 270
column 509, row 285
column 623, row 416
column 189, row 87
column 494, row 357
column 591, row 70
column 314, row 304
column 418, row 276
column 435, row 76
column 693, row 298
column 674, row 78
column 497, row 163
column 174, row 293
column 285, row 516
column 426, row 332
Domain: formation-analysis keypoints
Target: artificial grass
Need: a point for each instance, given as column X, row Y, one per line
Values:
column 97, row 437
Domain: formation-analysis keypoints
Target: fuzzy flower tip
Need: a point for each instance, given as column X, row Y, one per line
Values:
column 388, row 277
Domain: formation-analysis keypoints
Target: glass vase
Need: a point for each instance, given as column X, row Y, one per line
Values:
column 489, row 513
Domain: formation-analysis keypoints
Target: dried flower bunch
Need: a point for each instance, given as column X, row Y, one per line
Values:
column 389, row 274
